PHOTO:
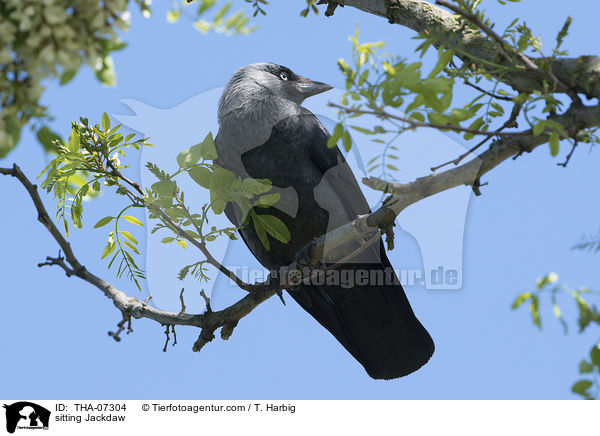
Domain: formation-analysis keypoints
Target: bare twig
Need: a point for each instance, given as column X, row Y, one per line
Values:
column 331, row 5
column 182, row 302
column 414, row 123
column 511, row 122
column 121, row 326
column 168, row 338
column 568, row 158
column 206, row 301
column 491, row 94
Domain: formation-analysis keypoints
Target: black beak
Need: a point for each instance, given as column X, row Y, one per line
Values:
column 308, row 88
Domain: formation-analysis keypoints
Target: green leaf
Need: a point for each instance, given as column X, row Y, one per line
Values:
column 362, row 130
column 131, row 247
column 418, row 116
column 200, row 175
column 73, row 141
column 10, row 140
column 110, row 247
column 553, row 142
column 164, row 188
column 190, row 156
column 535, row 311
column 167, row 240
column 105, row 122
column 459, row 115
column 563, row 32
column 538, row 127
column 581, row 387
column 363, row 77
column 243, row 204
column 221, row 180
column 548, row 278
column 129, row 236
column 338, row 131
column 133, row 220
column 175, row 212
column 585, row 367
column 47, row 138
column 521, row 299
column 436, row 118
column 202, row 25
column 497, row 107
column 260, row 231
column 268, row 200
column 67, row 76
column 274, row 227
column 222, row 183
column 346, row 140
column 104, row 221
column 595, row 355
column 444, row 58
column 218, row 205
column 475, row 125
column 106, row 72
column 173, row 16
column 208, row 149
column 256, row 186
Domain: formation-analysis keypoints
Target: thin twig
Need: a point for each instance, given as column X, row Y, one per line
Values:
column 182, row 302
column 182, row 233
column 568, row 158
column 491, row 94
column 206, row 300
column 511, row 122
column 414, row 123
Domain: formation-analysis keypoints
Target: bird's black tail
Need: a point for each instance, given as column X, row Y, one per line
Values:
column 374, row 322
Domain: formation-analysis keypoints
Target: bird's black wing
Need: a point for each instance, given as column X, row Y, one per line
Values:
column 373, row 321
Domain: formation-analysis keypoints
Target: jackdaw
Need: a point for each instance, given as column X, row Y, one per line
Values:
column 265, row 133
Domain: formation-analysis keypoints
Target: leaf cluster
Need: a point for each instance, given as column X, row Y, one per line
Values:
column 587, row 315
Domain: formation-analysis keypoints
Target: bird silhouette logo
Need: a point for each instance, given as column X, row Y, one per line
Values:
column 438, row 237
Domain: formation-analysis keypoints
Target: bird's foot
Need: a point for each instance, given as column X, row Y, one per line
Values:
column 310, row 256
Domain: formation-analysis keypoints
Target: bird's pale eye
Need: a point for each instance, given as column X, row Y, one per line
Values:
column 283, row 76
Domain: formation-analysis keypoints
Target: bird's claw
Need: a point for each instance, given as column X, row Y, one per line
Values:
column 310, row 256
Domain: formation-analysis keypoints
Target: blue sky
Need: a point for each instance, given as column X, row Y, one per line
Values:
column 522, row 227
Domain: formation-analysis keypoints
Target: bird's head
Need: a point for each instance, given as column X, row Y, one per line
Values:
column 267, row 83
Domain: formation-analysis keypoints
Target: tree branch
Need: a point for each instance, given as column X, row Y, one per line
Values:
column 573, row 120
column 528, row 63
column 130, row 306
column 581, row 74
column 226, row 319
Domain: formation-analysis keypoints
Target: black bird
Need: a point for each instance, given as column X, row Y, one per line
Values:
column 265, row 133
